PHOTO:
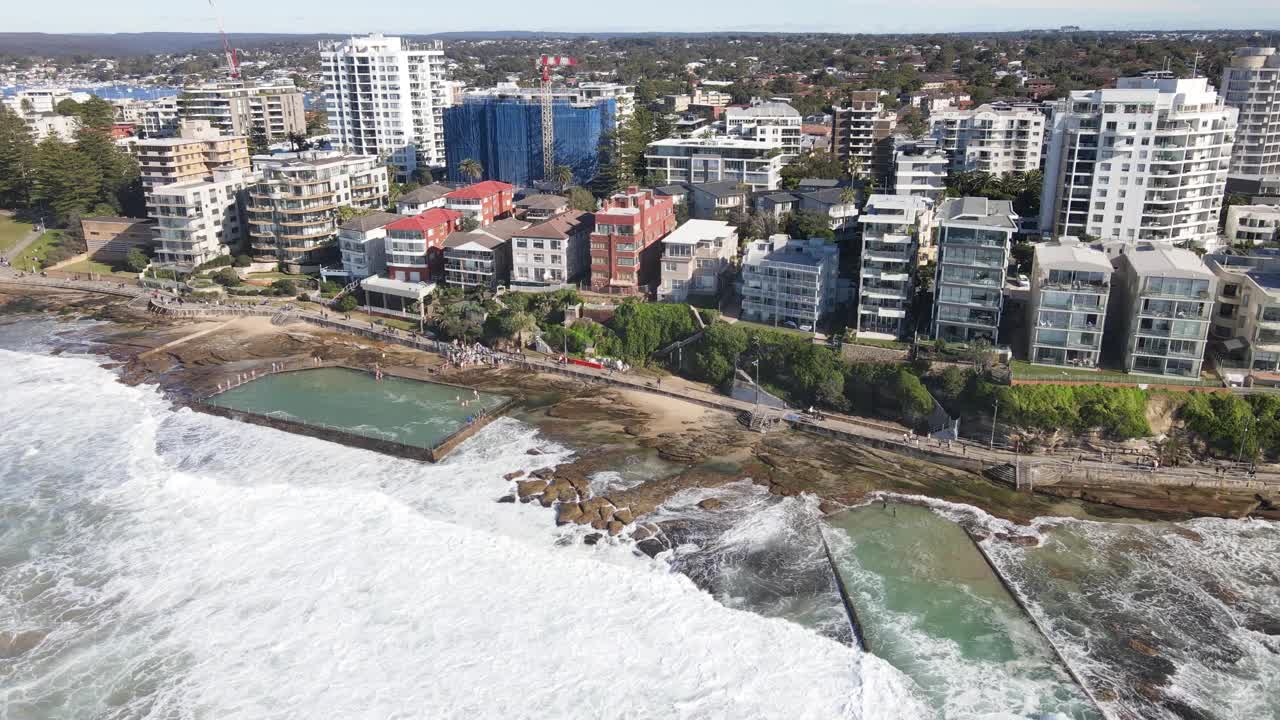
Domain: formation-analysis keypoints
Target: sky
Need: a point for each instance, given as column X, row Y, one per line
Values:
column 428, row 16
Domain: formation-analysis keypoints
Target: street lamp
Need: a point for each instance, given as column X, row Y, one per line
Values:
column 991, row 444
column 1243, row 437
column 756, row 362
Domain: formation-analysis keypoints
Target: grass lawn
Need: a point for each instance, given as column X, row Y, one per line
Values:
column 11, row 231
column 36, row 251
column 1023, row 370
column 93, row 266
column 780, row 328
column 874, row 342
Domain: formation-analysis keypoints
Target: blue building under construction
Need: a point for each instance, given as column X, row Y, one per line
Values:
column 504, row 134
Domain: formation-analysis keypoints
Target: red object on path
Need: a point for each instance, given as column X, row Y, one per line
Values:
column 587, row 363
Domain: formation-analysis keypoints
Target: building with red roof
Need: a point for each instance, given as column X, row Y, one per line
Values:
column 485, row 201
column 626, row 243
column 415, row 245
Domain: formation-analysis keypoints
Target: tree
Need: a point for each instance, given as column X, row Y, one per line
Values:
column 471, row 169
column 563, row 176
column 469, row 223
column 17, row 155
column 913, row 122
column 812, row 165
column 809, row 224
column 258, row 142
column 298, row 141
column 67, row 107
column 242, row 261
column 64, row 181
column 226, row 277
column 136, row 260
column 117, row 170
column 284, row 287
column 346, row 303
column 582, row 199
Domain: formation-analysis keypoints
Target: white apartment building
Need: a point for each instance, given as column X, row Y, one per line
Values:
column 756, row 163
column 237, row 108
column 1246, row 322
column 920, row 173
column 990, row 139
column 420, row 200
column 199, row 220
column 695, row 256
column 1070, row 284
column 41, row 100
column 789, row 282
column 554, row 252
column 1163, row 303
column 386, row 97
column 769, row 121
column 43, row 125
column 293, row 216
column 159, row 118
column 973, row 257
column 1253, row 225
column 1251, row 84
column 1145, row 161
column 362, row 242
column 892, row 228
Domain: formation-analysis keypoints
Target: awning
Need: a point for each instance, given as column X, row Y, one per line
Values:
column 398, row 288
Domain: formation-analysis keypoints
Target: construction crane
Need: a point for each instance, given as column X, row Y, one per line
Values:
column 545, row 63
column 233, row 64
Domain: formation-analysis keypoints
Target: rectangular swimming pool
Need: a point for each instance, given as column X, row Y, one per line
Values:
column 415, row 413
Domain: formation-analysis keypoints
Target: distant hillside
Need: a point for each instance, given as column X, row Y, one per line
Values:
column 123, row 44
column 151, row 43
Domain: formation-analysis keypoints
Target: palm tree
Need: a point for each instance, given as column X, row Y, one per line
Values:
column 848, row 196
column 471, row 169
column 563, row 176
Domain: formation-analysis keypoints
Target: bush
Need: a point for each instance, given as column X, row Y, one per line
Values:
column 346, row 304
column 284, row 287
column 220, row 261
column 226, row 277
column 136, row 260
column 242, row 261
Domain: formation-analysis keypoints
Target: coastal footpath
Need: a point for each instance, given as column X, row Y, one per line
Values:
column 1178, row 491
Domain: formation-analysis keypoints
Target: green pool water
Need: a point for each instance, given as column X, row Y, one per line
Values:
column 930, row 605
column 411, row 412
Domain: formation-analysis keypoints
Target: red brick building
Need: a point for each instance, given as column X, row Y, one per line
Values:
column 485, row 201
column 626, row 245
column 415, row 245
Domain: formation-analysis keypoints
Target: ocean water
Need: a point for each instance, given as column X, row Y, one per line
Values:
column 161, row 563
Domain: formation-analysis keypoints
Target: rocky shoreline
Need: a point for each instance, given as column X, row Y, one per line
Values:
column 698, row 447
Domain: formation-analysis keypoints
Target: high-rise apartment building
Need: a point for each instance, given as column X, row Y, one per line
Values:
column 1144, row 161
column 861, row 134
column 626, row 241
column 973, row 257
column 502, row 130
column 386, row 97
column 995, row 140
column 770, row 121
column 1163, row 304
column 158, row 118
column 892, row 228
column 1070, row 283
column 920, row 170
column 198, row 150
column 198, row 220
column 236, row 108
column 1251, row 84
column 293, row 208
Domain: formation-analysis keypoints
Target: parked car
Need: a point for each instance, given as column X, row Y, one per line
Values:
column 789, row 324
column 806, row 327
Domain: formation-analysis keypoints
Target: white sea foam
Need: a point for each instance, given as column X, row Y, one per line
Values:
column 182, row 565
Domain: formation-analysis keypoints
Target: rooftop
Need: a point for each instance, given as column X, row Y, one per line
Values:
column 559, row 227
column 764, row 109
column 399, row 288
column 694, row 231
column 426, row 221
column 504, row 229
column 719, row 141
column 1148, row 259
column 721, row 189
column 1065, row 255
column 370, row 221
column 116, row 219
column 542, row 202
column 474, row 240
column 782, row 249
column 979, row 211
column 424, row 194
column 479, row 190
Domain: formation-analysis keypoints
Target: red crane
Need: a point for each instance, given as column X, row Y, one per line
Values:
column 233, row 63
column 545, row 63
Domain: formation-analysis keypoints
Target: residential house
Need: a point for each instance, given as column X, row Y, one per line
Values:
column 415, row 245
column 362, row 242
column 422, row 199
column 717, row 200
column 483, row 202
column 537, row 208
column 840, row 205
column 695, row 257
column 553, row 253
